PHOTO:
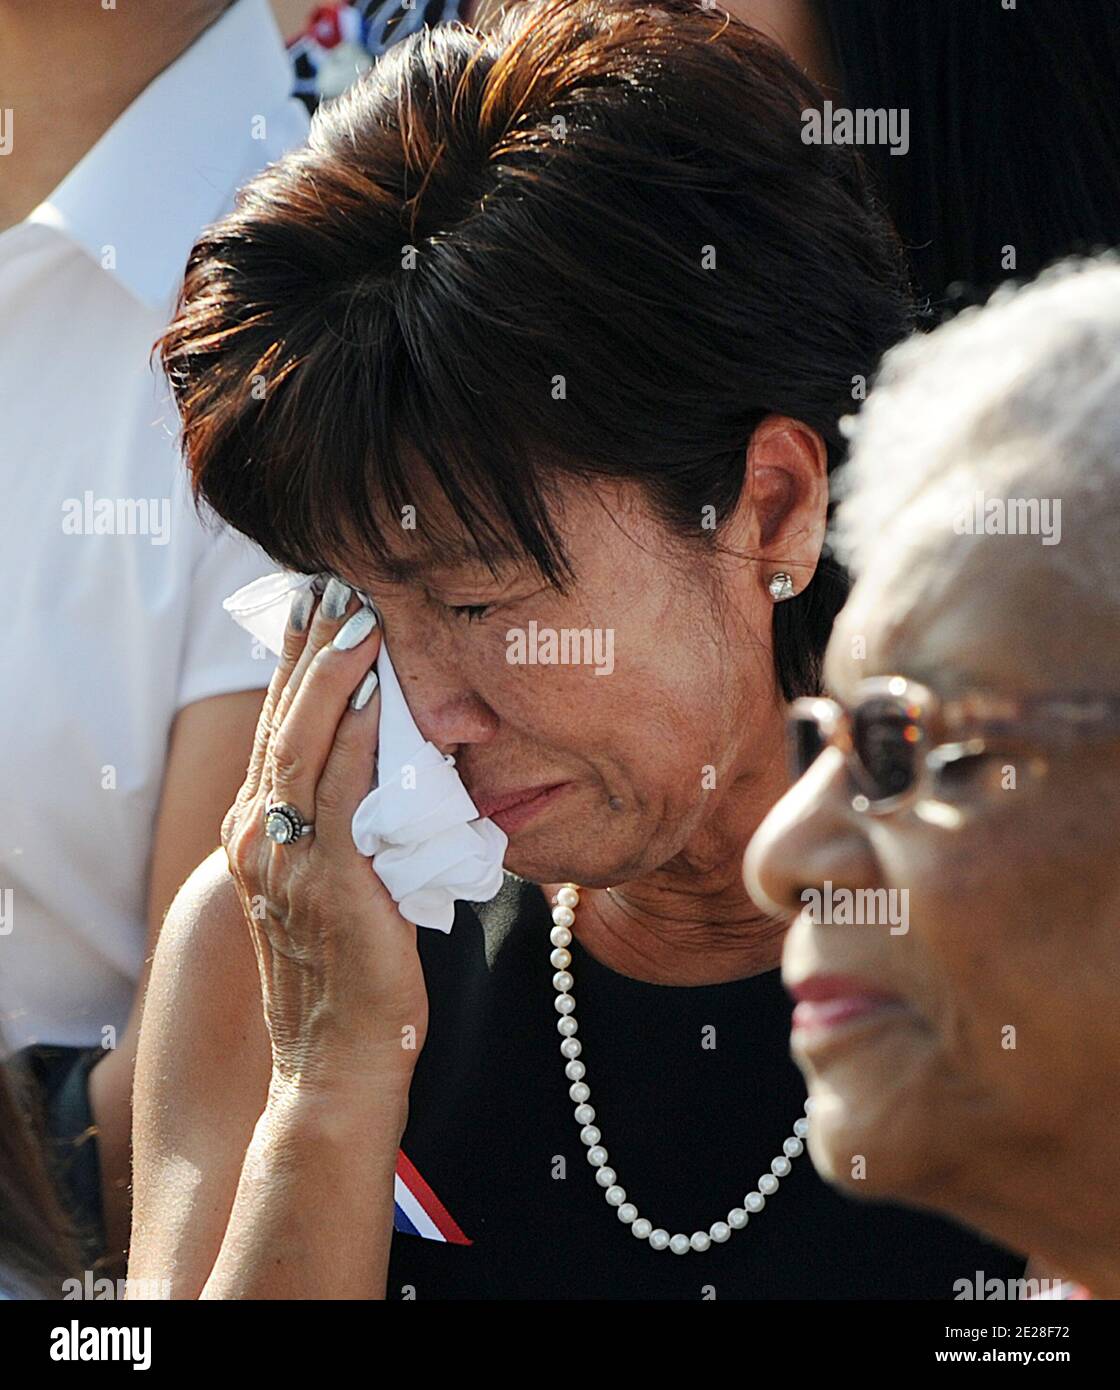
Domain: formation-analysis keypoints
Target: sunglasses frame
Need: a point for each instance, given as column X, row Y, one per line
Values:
column 948, row 730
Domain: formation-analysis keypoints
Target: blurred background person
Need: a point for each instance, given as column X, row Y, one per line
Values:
column 127, row 699
column 332, row 45
column 972, row 764
column 1013, row 157
column 37, row 1247
column 1014, row 131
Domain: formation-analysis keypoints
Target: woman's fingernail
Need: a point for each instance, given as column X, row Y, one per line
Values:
column 299, row 613
column 362, row 696
column 335, row 599
column 355, row 629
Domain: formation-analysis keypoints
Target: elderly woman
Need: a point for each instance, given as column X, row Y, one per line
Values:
column 552, row 326
column 970, row 767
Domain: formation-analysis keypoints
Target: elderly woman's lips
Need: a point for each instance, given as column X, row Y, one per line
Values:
column 828, row 1001
column 513, row 809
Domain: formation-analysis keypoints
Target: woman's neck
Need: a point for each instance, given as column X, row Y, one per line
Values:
column 668, row 938
column 1055, row 1200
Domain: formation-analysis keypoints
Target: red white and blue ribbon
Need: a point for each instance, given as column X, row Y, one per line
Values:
column 418, row 1211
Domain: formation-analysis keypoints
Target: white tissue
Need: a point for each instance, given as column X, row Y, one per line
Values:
column 418, row 824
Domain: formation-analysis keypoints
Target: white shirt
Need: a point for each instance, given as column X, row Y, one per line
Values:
column 112, row 587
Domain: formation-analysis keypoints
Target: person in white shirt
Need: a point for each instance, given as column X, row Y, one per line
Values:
column 128, row 698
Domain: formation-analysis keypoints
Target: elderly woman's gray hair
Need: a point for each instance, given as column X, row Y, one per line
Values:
column 995, row 407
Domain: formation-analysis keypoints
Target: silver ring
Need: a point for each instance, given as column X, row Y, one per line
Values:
column 283, row 823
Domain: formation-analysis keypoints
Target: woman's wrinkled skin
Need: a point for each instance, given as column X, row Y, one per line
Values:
column 671, row 758
column 992, row 1096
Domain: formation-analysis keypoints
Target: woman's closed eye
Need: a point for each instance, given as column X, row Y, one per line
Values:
column 472, row 612
column 479, row 612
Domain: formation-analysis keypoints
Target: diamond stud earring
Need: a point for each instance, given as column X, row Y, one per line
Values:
column 780, row 586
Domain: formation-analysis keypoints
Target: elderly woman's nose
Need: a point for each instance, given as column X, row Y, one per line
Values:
column 810, row 836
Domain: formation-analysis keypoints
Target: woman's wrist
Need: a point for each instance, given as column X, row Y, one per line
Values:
column 354, row 1074
column 338, row 1107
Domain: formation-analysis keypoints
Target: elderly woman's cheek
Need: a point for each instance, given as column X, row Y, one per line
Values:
column 1036, row 958
column 973, row 966
column 892, row 1110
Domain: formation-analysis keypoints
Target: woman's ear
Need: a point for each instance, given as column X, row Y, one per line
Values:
column 783, row 511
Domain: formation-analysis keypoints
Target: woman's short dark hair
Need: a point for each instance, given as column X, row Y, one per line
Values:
column 590, row 244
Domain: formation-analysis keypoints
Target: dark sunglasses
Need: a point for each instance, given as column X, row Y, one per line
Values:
column 897, row 733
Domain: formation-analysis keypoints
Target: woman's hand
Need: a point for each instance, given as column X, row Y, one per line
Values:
column 342, row 986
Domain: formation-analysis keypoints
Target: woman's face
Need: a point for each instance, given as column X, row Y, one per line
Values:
column 623, row 721
column 1004, row 1030
column 655, row 711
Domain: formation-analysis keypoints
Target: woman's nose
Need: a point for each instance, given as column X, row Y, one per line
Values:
column 448, row 711
column 812, row 835
column 452, row 721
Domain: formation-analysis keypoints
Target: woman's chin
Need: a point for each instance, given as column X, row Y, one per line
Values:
column 872, row 1128
column 856, row 1157
column 554, row 857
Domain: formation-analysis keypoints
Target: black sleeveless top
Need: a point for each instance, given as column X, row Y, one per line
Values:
column 492, row 1151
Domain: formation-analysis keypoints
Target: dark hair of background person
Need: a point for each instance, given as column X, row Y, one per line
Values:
column 1014, row 131
column 318, row 380
column 37, row 1246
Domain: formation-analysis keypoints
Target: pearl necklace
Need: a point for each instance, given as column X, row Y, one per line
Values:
column 563, row 915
